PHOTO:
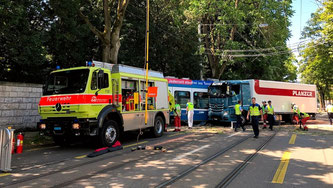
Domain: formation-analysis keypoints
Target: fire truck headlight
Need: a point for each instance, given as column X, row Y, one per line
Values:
column 42, row 126
column 76, row 126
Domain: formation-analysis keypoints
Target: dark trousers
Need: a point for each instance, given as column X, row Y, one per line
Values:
column 330, row 116
column 239, row 122
column 255, row 125
column 270, row 118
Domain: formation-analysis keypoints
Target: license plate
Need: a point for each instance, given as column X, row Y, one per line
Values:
column 57, row 128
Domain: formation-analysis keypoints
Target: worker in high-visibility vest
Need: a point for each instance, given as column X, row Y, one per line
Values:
column 190, row 113
column 255, row 112
column 270, row 114
column 329, row 110
column 178, row 114
column 296, row 111
column 263, row 107
column 304, row 118
column 238, row 112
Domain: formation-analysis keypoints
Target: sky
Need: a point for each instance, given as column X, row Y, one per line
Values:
column 302, row 13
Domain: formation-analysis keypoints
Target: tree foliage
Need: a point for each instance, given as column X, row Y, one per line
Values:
column 69, row 41
column 173, row 43
column 317, row 63
column 234, row 25
column 22, row 29
column 37, row 35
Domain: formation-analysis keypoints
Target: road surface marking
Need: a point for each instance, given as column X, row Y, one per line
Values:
column 176, row 134
column 282, row 169
column 135, row 144
column 191, row 152
column 80, row 157
column 292, row 139
column 36, row 149
column 4, row 174
column 232, row 135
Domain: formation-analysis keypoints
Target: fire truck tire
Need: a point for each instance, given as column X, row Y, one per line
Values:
column 158, row 128
column 61, row 141
column 109, row 133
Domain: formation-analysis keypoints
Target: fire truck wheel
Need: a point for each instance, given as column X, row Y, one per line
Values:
column 158, row 128
column 109, row 133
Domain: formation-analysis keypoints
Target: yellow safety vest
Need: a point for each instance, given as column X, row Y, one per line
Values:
column 296, row 110
column 270, row 110
column 178, row 109
column 254, row 110
column 190, row 106
column 263, row 109
column 305, row 114
column 330, row 108
column 237, row 110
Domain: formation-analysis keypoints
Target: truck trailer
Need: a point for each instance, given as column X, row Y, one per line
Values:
column 102, row 100
column 223, row 95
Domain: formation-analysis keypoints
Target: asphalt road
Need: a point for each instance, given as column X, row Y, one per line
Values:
column 201, row 157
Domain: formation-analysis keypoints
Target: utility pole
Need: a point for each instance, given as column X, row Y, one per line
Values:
column 146, row 60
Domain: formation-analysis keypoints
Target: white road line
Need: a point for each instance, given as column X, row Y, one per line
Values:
column 191, row 152
column 233, row 135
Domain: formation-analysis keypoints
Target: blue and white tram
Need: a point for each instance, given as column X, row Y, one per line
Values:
column 196, row 91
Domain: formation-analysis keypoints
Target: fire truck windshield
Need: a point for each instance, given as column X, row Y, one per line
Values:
column 218, row 90
column 66, row 82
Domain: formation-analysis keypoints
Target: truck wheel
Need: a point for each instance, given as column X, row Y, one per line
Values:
column 158, row 128
column 109, row 133
column 61, row 141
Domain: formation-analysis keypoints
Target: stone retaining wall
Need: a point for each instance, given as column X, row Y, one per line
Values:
column 19, row 104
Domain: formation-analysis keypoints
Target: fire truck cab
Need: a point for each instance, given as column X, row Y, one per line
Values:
column 102, row 100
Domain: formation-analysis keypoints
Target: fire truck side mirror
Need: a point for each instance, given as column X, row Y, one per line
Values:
column 100, row 79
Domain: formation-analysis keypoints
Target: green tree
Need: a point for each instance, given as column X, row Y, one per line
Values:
column 232, row 38
column 316, row 66
column 22, row 31
column 113, row 14
column 173, row 42
column 69, row 41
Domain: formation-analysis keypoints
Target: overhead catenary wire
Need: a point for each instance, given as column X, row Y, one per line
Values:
column 292, row 47
column 259, row 54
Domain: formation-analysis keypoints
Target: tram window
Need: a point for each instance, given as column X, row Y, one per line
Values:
column 200, row 100
column 181, row 97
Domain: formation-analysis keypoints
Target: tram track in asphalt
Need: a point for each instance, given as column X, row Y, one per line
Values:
column 35, row 165
column 225, row 181
column 233, row 174
column 99, row 159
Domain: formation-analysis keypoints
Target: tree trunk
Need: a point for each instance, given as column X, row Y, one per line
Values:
column 115, row 45
column 110, row 36
column 115, row 34
column 106, row 53
column 213, row 42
